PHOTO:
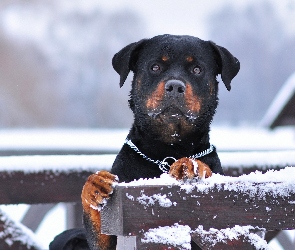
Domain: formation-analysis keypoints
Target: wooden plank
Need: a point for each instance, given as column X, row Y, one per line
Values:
column 57, row 151
column 128, row 211
column 235, row 171
column 35, row 215
column 270, row 235
column 74, row 215
column 242, row 243
column 41, row 187
column 127, row 243
column 51, row 187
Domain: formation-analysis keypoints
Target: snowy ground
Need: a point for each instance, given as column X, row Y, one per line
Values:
column 225, row 139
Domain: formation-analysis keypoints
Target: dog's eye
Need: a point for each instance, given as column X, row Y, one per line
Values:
column 197, row 70
column 155, row 68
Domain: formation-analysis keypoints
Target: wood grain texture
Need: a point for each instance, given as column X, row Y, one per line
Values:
column 126, row 214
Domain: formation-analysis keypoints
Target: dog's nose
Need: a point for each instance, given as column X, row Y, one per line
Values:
column 175, row 87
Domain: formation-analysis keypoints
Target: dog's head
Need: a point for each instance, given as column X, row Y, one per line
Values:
column 174, row 88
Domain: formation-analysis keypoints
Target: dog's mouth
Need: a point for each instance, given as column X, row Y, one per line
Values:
column 173, row 123
column 173, row 113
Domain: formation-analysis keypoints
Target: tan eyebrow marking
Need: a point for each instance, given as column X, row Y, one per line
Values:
column 189, row 58
column 165, row 58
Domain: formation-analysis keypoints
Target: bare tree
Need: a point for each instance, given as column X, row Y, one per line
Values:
column 25, row 96
column 67, row 78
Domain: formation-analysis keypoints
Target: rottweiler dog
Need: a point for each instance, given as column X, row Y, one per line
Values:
column 174, row 97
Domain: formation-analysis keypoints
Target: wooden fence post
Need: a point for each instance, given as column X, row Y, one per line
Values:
column 136, row 210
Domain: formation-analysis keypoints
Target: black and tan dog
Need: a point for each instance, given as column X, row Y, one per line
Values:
column 173, row 98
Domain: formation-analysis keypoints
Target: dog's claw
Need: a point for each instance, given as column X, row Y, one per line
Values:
column 186, row 168
column 98, row 189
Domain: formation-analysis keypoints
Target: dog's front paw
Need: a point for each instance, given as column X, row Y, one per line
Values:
column 97, row 190
column 186, row 168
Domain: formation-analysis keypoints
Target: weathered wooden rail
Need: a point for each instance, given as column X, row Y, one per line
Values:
column 51, row 179
column 208, row 211
column 43, row 180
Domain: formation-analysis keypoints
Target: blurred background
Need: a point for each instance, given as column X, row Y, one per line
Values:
column 56, row 73
column 55, row 56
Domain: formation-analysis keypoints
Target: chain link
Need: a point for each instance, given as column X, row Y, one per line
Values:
column 164, row 165
column 203, row 153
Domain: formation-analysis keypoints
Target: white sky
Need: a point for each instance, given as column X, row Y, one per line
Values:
column 171, row 16
column 165, row 16
column 186, row 17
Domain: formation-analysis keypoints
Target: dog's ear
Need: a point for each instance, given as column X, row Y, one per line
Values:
column 229, row 66
column 125, row 59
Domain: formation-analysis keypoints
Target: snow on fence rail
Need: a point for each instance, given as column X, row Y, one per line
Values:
column 106, row 141
column 60, row 141
column 238, row 163
column 49, row 179
column 217, row 213
column 52, row 179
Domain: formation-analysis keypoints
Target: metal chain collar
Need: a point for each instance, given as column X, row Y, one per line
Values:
column 164, row 165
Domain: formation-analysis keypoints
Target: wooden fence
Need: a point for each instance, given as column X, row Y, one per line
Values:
column 52, row 184
column 43, row 181
column 216, row 216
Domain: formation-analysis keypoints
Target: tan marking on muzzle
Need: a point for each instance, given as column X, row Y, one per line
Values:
column 192, row 101
column 156, row 97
